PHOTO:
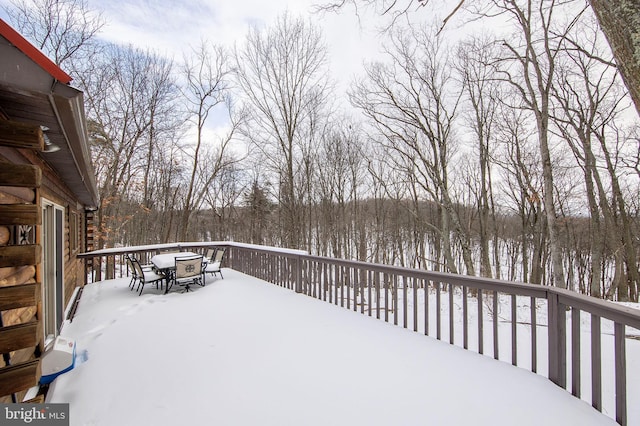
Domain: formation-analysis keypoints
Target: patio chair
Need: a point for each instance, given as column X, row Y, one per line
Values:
column 188, row 271
column 213, row 267
column 209, row 253
column 146, row 276
column 130, row 257
column 132, row 269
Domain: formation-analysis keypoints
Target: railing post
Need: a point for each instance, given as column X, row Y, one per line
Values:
column 98, row 269
column 557, row 340
column 298, row 265
column 85, row 261
column 621, row 373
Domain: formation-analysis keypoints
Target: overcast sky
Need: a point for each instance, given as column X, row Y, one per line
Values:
column 170, row 26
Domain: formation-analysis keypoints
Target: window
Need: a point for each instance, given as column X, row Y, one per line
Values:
column 52, row 266
column 74, row 234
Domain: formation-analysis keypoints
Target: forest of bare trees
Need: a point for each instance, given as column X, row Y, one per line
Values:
column 511, row 155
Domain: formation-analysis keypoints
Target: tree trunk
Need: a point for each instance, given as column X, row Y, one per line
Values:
column 620, row 23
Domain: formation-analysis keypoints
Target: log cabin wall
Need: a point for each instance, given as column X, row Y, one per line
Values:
column 21, row 332
column 47, row 183
column 55, row 191
column 25, row 183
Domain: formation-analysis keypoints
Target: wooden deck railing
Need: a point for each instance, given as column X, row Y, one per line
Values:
column 466, row 311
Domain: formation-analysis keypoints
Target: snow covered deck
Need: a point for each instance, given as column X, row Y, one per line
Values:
column 241, row 351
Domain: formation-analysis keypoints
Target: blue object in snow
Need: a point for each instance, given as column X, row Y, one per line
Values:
column 59, row 359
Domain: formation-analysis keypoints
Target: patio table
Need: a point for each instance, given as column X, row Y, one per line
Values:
column 166, row 263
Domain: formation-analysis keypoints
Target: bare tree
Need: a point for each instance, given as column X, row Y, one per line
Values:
column 529, row 66
column 588, row 97
column 282, row 72
column 128, row 98
column 482, row 93
column 619, row 20
column 413, row 104
column 206, row 86
column 62, row 29
column 519, row 162
column 341, row 159
column 259, row 207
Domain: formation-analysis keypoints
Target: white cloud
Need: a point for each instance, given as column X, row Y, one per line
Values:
column 170, row 27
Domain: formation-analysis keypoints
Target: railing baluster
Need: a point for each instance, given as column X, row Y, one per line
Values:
column 438, row 310
column 480, row 324
column 284, row 275
column 312, row 288
column 575, row 352
column 347, row 275
column 357, row 289
column 451, row 336
column 377, row 280
column 312, row 283
column 496, row 351
column 621, row 373
column 298, row 274
column 394, row 295
column 414, row 283
column 322, row 283
column 369, row 285
column 465, row 318
column 405, row 304
column 333, row 273
column 341, row 282
column 514, row 330
column 326, row 282
column 534, row 335
column 319, row 281
column 386, row 297
column 363, row 282
column 596, row 365
column 425, row 284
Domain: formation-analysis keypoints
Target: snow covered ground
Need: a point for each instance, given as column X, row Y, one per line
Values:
column 244, row 352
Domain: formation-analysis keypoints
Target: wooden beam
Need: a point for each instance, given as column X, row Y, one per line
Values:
column 18, row 296
column 21, row 135
column 19, row 255
column 20, row 214
column 15, row 378
column 23, row 175
column 13, row 194
column 18, row 336
column 17, row 275
column 5, row 235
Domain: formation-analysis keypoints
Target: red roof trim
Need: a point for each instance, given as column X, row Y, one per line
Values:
column 33, row 53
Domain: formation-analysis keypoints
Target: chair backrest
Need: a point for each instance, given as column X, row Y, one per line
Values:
column 130, row 264
column 136, row 266
column 210, row 252
column 187, row 267
column 219, row 255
